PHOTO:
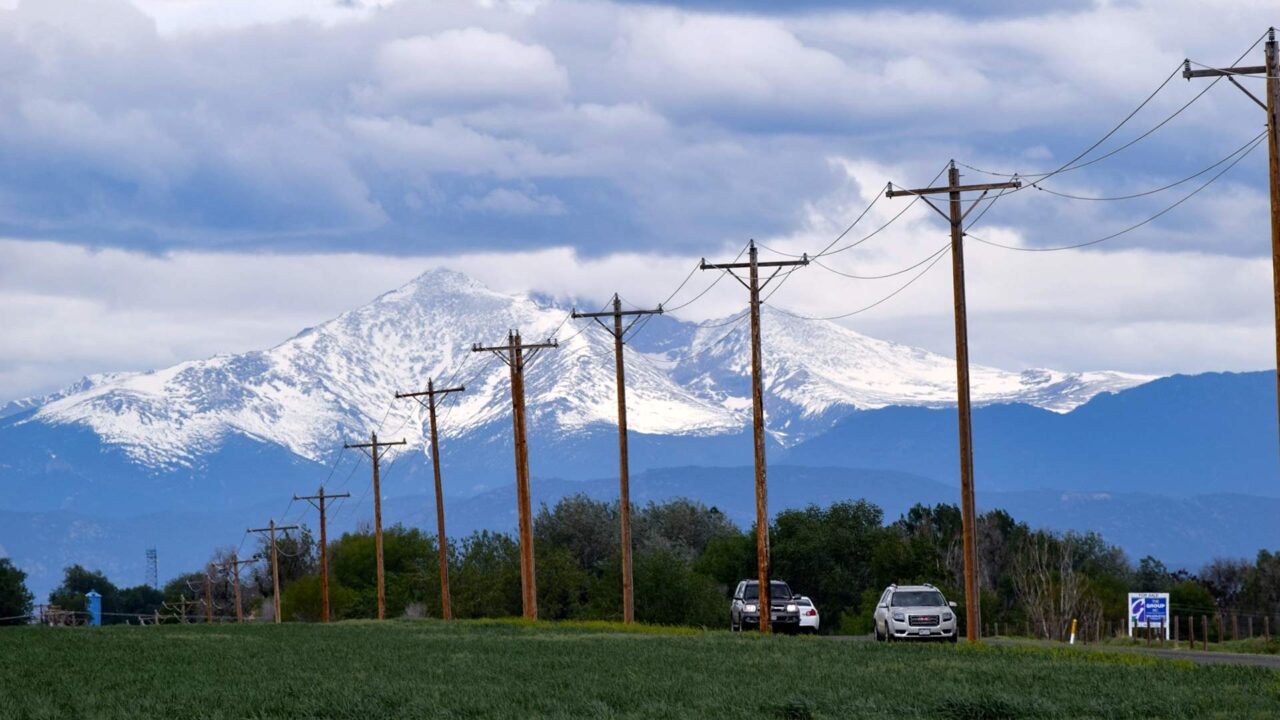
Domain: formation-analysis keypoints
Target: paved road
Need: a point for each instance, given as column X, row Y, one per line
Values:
column 1196, row 656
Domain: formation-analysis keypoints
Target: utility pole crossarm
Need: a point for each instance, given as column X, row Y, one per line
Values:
column 1230, row 73
column 1188, row 73
column 429, row 393
column 277, row 528
column 704, row 265
column 322, row 496
column 949, row 189
column 579, row 315
column 513, row 346
column 618, row 331
column 368, row 445
column 513, row 353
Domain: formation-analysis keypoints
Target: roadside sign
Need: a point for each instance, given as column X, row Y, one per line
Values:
column 1149, row 610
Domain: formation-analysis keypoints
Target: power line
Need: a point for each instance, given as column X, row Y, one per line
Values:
column 680, row 287
column 1070, row 165
column 778, row 252
column 895, row 273
column 1242, row 148
column 990, row 204
column 851, row 226
column 880, row 229
column 708, row 288
column 732, row 325
column 1135, row 226
column 941, row 254
column 471, row 381
column 356, row 466
column 731, row 320
column 781, row 281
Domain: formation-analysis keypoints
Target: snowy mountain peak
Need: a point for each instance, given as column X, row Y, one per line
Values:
column 338, row 379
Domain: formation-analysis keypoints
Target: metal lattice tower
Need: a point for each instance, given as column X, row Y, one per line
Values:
column 153, row 574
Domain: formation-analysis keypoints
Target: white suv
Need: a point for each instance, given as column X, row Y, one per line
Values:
column 910, row 612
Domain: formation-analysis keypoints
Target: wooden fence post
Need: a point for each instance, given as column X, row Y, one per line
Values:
column 1249, row 626
column 1266, row 628
column 1204, row 630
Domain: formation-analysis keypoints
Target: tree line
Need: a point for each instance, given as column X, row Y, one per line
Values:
column 687, row 557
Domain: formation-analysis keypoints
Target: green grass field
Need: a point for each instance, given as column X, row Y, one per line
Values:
column 1250, row 646
column 429, row 669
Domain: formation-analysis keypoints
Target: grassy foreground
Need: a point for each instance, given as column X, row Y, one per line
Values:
column 429, row 669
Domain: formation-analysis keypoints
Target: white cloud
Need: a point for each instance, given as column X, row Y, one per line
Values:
column 469, row 66
column 270, row 158
column 178, row 16
column 515, row 202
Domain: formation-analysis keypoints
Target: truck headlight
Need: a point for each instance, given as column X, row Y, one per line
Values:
column 792, row 608
column 749, row 608
column 900, row 617
column 947, row 617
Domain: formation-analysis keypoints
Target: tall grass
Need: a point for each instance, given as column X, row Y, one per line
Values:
column 504, row 669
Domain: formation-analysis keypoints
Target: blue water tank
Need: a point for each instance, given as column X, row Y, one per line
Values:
column 94, row 599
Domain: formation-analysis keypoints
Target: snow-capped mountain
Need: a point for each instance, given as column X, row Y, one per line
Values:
column 817, row 369
column 336, row 381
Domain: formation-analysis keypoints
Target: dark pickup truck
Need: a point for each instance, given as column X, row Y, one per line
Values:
column 744, row 611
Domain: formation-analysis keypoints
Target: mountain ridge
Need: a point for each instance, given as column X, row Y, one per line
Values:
column 332, row 381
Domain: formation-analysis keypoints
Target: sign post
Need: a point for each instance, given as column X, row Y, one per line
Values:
column 1149, row 610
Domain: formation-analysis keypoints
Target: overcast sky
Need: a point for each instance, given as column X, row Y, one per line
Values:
column 187, row 177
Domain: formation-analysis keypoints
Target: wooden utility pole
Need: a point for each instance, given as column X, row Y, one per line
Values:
column 208, row 594
column 1271, row 70
column 318, row 501
column 515, row 356
column 619, row 334
column 272, row 528
column 371, row 448
column 233, row 569
column 429, row 403
column 955, row 217
column 754, row 286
